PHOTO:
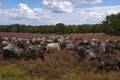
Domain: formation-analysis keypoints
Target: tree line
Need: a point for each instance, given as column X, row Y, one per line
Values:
column 59, row 28
column 111, row 25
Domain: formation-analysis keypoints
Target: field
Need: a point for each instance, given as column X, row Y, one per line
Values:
column 62, row 66
column 101, row 36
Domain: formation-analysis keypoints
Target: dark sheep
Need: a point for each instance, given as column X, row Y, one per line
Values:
column 117, row 45
column 33, row 52
column 80, row 51
column 109, row 48
column 21, row 44
column 12, row 51
column 108, row 61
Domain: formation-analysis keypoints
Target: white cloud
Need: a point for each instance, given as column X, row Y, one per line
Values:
column 85, row 16
column 23, row 14
column 98, row 14
column 24, row 7
column 23, row 11
column 66, row 6
column 86, row 1
column 58, row 6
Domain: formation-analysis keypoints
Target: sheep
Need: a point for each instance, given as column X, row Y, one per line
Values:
column 90, row 54
column 12, row 51
column 33, row 52
column 70, row 46
column 33, row 41
column 5, row 43
column 38, row 40
column 53, row 47
column 80, row 51
column 108, row 61
column 5, row 38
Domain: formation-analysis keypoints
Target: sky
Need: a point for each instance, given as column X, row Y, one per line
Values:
column 47, row 12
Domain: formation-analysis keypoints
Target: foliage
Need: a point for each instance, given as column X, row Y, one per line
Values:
column 11, row 70
column 58, row 66
column 59, row 28
column 111, row 25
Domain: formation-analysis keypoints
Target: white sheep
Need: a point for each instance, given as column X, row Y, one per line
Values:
column 53, row 47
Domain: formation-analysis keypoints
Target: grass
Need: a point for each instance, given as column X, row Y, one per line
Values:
column 59, row 66
column 11, row 70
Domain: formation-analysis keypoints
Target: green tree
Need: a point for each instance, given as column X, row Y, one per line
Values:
column 60, row 28
column 112, row 24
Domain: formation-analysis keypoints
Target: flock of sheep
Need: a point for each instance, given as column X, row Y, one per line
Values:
column 87, row 49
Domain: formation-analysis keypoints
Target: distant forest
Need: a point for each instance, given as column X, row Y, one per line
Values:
column 111, row 26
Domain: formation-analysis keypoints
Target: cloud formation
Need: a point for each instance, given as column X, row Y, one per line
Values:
column 86, row 1
column 23, row 14
column 85, row 16
column 58, row 6
column 23, row 11
column 66, row 6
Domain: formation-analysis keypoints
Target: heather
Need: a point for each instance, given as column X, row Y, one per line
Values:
column 64, row 65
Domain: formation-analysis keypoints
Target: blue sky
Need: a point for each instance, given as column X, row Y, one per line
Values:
column 40, row 12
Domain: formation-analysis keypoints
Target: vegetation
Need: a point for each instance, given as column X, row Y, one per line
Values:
column 62, row 66
column 111, row 25
column 59, row 28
